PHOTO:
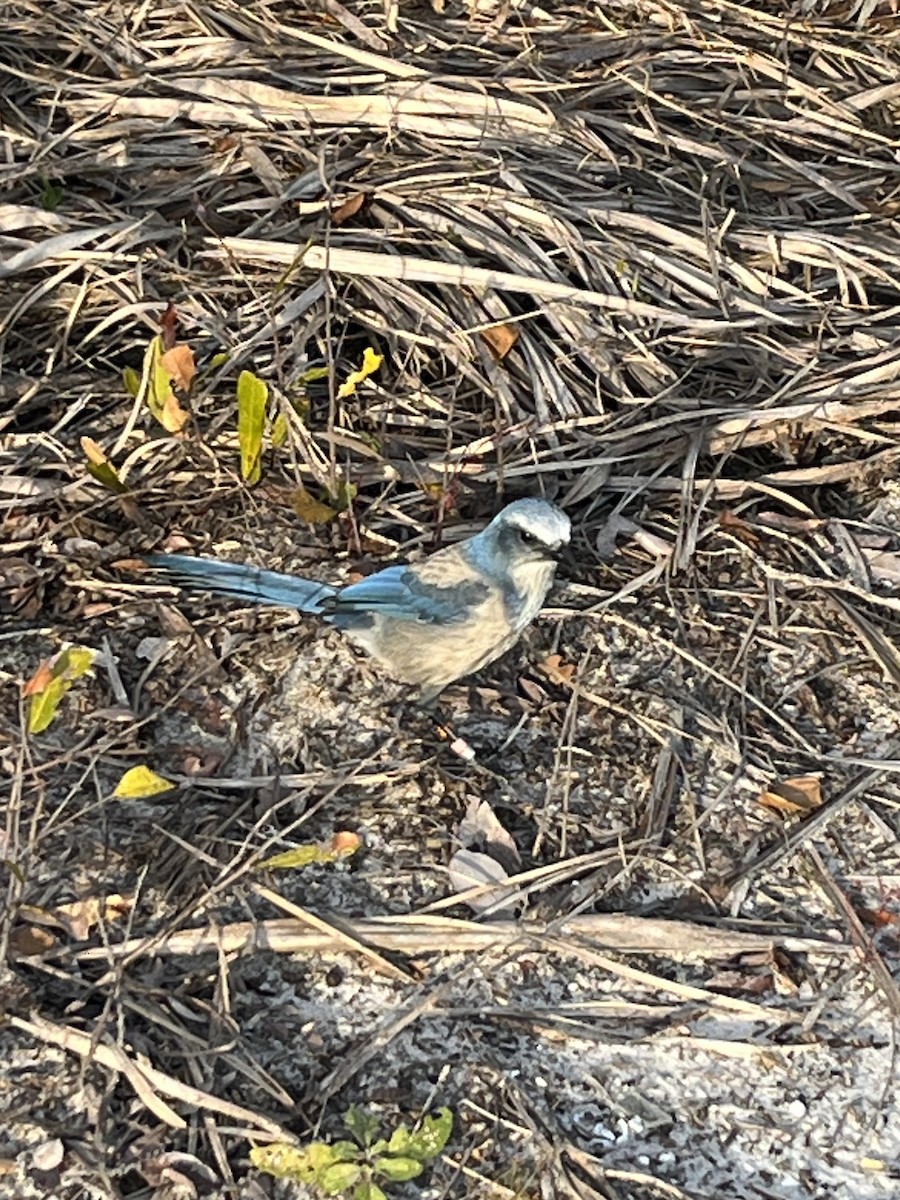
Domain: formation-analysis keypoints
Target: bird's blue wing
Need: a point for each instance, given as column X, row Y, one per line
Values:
column 399, row 592
column 243, row 582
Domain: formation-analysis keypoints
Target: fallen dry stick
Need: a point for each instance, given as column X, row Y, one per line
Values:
column 432, row 935
column 148, row 1081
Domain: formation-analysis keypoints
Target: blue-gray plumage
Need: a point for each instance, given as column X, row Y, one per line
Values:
column 427, row 623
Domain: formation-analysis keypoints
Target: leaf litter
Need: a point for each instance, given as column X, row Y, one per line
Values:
column 645, row 265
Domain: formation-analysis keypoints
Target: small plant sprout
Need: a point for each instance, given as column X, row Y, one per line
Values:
column 358, row 1168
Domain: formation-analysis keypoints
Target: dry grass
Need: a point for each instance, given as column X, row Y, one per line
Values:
column 688, row 214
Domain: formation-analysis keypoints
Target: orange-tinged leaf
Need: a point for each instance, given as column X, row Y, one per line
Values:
column 801, row 794
column 179, row 362
column 557, row 670
column 342, row 845
column 309, row 509
column 64, row 669
column 501, row 339
column 370, row 364
column 345, row 843
column 138, row 783
column 39, row 679
column 348, row 209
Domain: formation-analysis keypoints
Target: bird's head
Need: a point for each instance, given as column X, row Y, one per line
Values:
column 531, row 532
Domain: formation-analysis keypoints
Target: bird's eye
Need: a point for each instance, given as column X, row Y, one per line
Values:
column 527, row 537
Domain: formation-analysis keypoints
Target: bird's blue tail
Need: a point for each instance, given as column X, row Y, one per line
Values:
column 243, row 582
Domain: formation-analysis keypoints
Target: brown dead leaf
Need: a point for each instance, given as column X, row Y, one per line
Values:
column 168, row 323
column 309, row 509
column 26, row 941
column 501, row 339
column 348, row 209
column 80, row 916
column 129, row 564
column 801, row 794
column 738, row 527
column 557, row 670
column 185, row 1174
column 179, row 362
column 202, row 765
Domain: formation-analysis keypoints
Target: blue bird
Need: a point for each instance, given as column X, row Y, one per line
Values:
column 427, row 623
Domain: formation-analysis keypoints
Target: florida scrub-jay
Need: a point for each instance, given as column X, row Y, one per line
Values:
column 427, row 623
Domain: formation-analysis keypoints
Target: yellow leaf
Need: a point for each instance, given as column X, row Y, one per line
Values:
column 252, row 397
column 100, row 467
column 289, row 1162
column 140, row 782
column 300, row 856
column 371, row 362
column 51, row 682
column 342, row 845
column 309, row 509
column 157, row 381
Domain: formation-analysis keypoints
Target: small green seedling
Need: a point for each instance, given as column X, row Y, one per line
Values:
column 354, row 1167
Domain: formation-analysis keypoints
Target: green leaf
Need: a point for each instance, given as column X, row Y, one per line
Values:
column 14, row 868
column 363, row 1125
column 279, row 433
column 346, row 1151
column 302, row 1164
column 252, row 397
column 432, row 1135
column 140, row 782
column 339, row 1177
column 219, row 360
column 399, row 1143
column 51, row 195
column 100, row 467
column 132, row 381
column 320, row 1156
column 314, row 374
column 399, row 1169
column 300, row 856
column 368, row 1190
column 55, row 681
column 346, row 494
